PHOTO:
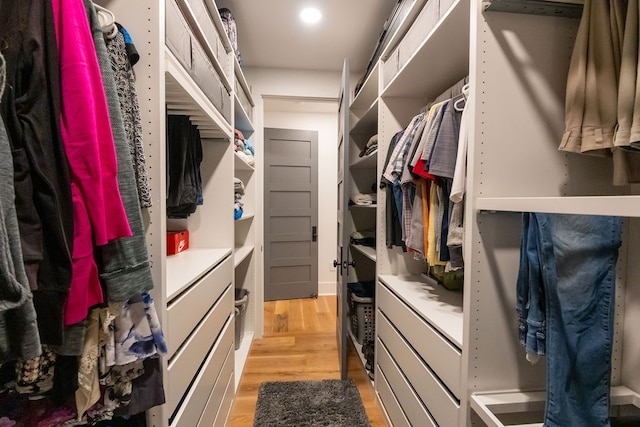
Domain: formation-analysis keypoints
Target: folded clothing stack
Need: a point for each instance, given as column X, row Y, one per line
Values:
column 363, row 237
column 238, row 192
column 365, row 199
column 243, row 147
column 372, row 146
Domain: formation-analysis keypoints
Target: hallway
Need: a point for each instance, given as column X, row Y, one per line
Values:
column 299, row 343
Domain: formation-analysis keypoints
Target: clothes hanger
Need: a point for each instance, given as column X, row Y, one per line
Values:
column 458, row 104
column 107, row 21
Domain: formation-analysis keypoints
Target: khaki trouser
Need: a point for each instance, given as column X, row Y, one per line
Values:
column 602, row 109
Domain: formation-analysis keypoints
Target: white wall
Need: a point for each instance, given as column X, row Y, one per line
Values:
column 271, row 82
column 327, row 127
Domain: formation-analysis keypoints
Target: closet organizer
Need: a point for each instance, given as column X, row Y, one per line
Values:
column 453, row 358
column 187, row 67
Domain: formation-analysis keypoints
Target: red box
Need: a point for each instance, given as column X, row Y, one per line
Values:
column 177, row 241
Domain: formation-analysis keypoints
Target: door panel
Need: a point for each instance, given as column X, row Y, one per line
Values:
column 291, row 212
column 342, row 253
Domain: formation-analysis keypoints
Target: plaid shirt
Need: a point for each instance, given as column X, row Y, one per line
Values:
column 399, row 155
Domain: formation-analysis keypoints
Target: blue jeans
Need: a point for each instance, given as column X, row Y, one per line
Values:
column 573, row 278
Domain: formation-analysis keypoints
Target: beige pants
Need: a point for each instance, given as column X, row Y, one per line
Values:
column 602, row 111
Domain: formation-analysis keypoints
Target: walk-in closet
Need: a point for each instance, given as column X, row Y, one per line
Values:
column 477, row 213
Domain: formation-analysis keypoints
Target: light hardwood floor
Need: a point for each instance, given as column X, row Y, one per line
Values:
column 299, row 343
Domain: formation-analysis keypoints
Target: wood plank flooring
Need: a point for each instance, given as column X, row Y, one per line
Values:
column 299, row 343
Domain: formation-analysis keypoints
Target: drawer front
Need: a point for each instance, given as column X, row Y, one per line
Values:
column 216, row 366
column 411, row 405
column 438, row 401
column 442, row 357
column 225, row 406
column 217, row 396
column 186, row 311
column 178, row 35
column 187, row 361
column 389, row 401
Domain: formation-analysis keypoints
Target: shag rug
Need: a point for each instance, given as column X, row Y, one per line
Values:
column 328, row 403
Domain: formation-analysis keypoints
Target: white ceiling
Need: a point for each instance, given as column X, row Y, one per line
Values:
column 270, row 33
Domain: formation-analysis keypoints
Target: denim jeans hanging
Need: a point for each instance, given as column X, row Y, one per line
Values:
column 567, row 267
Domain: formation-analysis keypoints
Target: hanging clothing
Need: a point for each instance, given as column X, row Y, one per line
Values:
column 124, row 265
column 85, row 125
column 18, row 326
column 592, row 85
column 602, row 85
column 184, row 155
column 566, row 310
column 30, row 108
column 130, row 110
column 392, row 219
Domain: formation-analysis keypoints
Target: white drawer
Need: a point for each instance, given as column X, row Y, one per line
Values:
column 389, row 401
column 443, row 358
column 196, row 400
column 186, row 311
column 411, row 405
column 225, row 406
column 430, row 391
column 185, row 363
column 217, row 397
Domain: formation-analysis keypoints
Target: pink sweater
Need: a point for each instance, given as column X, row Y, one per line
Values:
column 99, row 214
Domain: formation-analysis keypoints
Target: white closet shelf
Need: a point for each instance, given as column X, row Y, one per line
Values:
column 368, row 120
column 626, row 206
column 448, row 39
column 438, row 306
column 241, row 164
column 183, row 96
column 187, row 267
column 245, row 216
column 242, row 354
column 241, row 253
column 366, row 162
column 243, row 122
column 367, row 251
column 563, row 8
column 373, row 206
column 242, row 80
column 368, row 93
column 489, row 405
column 202, row 39
column 358, row 348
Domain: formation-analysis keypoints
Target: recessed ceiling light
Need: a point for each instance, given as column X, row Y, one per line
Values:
column 310, row 15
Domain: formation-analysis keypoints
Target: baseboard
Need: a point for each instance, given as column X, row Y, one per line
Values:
column 327, row 288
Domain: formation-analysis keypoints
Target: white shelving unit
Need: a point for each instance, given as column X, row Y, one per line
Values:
column 245, row 228
column 451, row 358
column 362, row 179
column 194, row 289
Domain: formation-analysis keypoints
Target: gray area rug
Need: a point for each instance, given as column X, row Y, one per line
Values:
column 329, row 403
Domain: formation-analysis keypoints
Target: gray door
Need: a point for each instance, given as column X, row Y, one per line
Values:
column 342, row 261
column 290, row 214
